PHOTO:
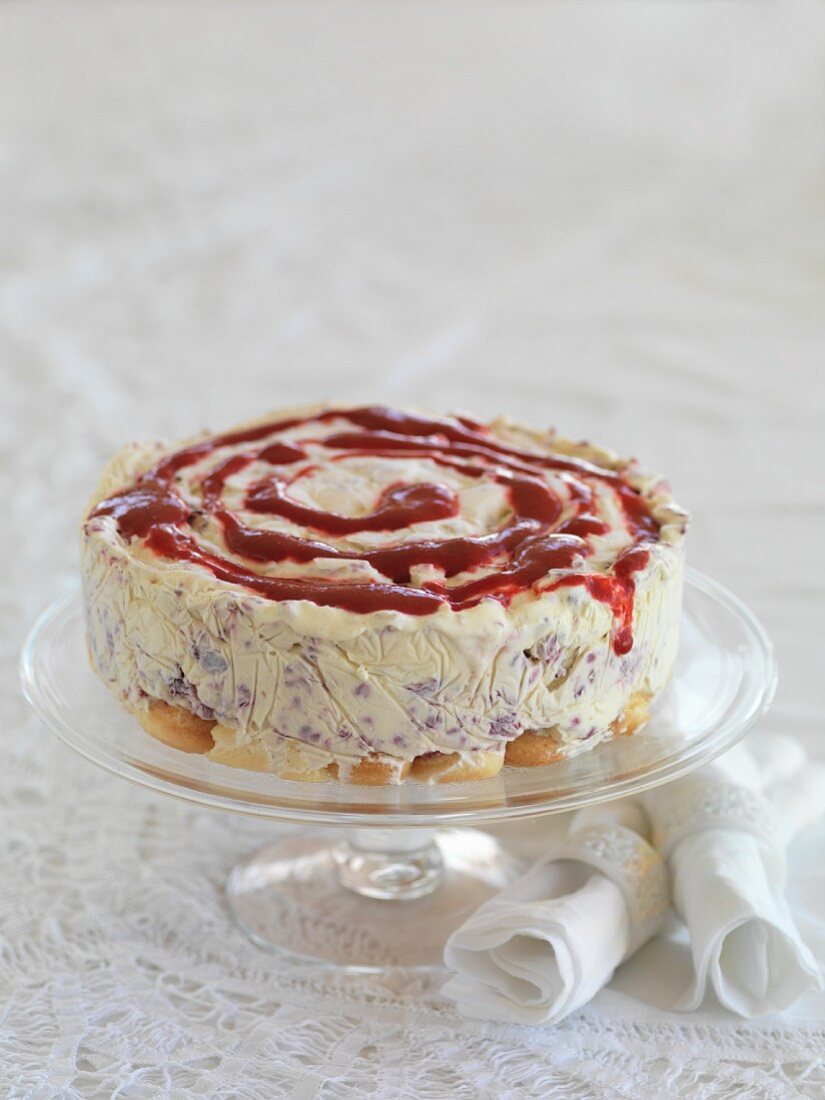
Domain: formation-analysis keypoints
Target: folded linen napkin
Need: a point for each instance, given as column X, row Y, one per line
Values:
column 552, row 939
column 725, row 846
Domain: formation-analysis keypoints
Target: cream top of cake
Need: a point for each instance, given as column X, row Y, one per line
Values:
column 374, row 511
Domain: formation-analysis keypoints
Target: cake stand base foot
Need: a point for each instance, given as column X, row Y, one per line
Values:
column 369, row 901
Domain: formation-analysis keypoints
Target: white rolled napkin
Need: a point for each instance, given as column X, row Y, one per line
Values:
column 548, row 943
column 725, row 846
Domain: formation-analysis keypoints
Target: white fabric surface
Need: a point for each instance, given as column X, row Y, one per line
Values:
column 725, row 839
column 551, row 940
column 743, row 939
column 603, row 216
column 542, row 949
column 548, row 943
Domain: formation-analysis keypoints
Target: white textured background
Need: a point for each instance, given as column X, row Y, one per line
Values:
column 605, row 216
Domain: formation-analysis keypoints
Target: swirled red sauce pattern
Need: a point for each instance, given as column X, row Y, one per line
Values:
column 533, row 541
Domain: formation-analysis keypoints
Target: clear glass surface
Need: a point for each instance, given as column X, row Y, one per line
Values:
column 723, row 680
column 388, row 899
column 382, row 894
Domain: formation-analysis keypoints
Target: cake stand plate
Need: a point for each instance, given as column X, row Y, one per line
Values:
column 385, row 888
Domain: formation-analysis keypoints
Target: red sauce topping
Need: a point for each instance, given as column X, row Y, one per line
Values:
column 533, row 541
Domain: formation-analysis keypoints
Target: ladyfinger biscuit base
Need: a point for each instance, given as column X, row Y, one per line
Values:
column 182, row 730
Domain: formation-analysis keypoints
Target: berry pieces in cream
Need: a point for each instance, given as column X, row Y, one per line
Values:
column 370, row 594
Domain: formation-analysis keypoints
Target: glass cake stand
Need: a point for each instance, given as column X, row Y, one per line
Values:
column 379, row 886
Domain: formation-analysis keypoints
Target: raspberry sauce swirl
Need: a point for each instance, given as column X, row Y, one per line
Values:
column 550, row 520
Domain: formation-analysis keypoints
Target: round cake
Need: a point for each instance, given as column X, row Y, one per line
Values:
column 368, row 594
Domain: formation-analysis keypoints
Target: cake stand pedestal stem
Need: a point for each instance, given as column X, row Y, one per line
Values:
column 390, row 864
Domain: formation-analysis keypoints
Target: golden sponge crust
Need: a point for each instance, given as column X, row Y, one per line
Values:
column 181, row 729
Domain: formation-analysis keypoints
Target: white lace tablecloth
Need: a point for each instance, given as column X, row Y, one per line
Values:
column 603, row 216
